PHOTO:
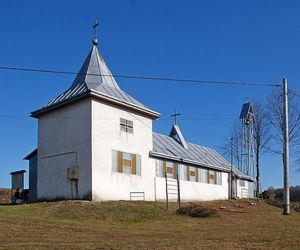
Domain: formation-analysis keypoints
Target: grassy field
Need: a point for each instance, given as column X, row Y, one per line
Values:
column 146, row 225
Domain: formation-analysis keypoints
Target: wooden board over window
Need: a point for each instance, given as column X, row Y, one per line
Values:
column 126, row 163
column 212, row 176
column 170, row 169
column 188, row 173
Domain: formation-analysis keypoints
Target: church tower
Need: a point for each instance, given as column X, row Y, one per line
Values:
column 94, row 139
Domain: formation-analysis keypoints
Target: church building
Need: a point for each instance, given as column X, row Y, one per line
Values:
column 96, row 142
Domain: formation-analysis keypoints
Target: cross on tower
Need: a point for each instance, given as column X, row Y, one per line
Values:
column 175, row 116
column 95, row 40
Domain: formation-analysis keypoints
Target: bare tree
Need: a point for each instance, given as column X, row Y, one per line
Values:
column 276, row 119
column 232, row 145
column 262, row 137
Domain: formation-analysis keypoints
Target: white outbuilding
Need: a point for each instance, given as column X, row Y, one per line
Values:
column 95, row 142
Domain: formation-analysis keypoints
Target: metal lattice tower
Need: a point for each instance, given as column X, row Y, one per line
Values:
column 247, row 151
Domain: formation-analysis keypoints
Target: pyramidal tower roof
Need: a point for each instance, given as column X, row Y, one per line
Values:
column 95, row 79
column 95, row 73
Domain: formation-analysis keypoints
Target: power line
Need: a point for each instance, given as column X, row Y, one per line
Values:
column 163, row 118
column 144, row 77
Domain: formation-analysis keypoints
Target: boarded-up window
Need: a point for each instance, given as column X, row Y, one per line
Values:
column 126, row 163
column 212, row 176
column 126, row 125
column 203, row 175
column 193, row 174
column 166, row 167
column 171, row 169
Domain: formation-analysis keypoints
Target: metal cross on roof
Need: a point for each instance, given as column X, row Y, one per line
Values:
column 95, row 40
column 175, row 116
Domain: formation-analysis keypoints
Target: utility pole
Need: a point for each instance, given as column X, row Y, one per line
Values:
column 286, row 193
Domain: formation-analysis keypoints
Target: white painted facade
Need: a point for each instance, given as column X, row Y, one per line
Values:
column 64, row 141
column 107, row 136
column 79, row 129
column 71, row 137
column 84, row 134
column 194, row 191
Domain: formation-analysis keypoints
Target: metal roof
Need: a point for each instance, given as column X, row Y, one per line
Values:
column 168, row 147
column 94, row 76
column 241, row 175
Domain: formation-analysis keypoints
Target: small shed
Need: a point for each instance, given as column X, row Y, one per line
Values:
column 17, row 186
column 17, row 179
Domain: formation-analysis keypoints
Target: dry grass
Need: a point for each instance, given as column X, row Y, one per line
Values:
column 5, row 195
column 146, row 225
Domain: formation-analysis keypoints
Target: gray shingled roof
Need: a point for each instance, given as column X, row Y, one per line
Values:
column 94, row 76
column 169, row 148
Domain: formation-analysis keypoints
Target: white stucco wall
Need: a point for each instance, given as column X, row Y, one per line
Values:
column 107, row 136
column 193, row 191
column 84, row 134
column 64, row 140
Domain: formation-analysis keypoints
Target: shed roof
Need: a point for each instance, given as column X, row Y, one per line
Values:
column 18, row 172
column 95, row 79
column 31, row 154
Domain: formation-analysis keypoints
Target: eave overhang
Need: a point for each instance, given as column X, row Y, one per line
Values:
column 102, row 97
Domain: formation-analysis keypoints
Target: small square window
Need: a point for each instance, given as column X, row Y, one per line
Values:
column 126, row 125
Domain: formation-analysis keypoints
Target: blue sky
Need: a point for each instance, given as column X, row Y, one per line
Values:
column 253, row 41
